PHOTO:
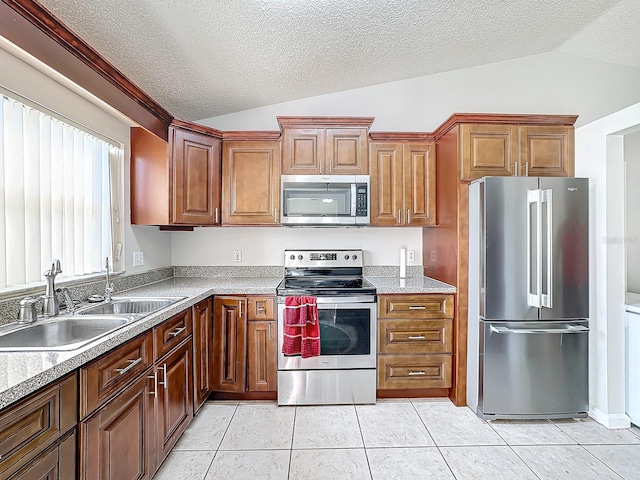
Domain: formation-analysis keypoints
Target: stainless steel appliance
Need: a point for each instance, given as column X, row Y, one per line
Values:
column 345, row 371
column 528, row 334
column 327, row 200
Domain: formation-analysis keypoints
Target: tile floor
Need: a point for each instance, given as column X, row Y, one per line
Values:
column 393, row 440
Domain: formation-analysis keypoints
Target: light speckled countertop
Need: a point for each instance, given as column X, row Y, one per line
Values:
column 22, row 373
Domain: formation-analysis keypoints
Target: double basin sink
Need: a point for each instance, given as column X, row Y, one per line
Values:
column 69, row 332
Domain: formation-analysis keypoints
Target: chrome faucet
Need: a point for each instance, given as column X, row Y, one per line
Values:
column 50, row 306
column 108, row 288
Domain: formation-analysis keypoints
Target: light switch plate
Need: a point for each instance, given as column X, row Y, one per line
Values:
column 138, row 259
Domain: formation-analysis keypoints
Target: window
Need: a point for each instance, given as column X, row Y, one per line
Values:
column 60, row 195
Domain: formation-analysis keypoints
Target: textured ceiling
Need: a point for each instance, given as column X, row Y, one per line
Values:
column 204, row 58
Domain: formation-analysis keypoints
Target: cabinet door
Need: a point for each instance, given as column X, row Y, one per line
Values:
column 420, row 184
column 174, row 409
column 116, row 441
column 549, row 151
column 196, row 178
column 487, row 149
column 229, row 344
column 386, row 184
column 251, row 183
column 202, row 352
column 57, row 463
column 303, row 151
column 346, row 152
column 261, row 352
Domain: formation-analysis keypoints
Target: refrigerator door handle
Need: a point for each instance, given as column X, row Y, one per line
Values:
column 547, row 297
column 566, row 329
column 534, row 197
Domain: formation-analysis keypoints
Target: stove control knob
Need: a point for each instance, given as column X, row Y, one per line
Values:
column 355, row 257
column 299, row 257
column 346, row 257
column 292, row 257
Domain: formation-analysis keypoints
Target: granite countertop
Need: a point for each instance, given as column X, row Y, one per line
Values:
column 410, row 285
column 22, row 373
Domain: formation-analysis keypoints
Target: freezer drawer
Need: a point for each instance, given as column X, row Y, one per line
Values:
column 533, row 369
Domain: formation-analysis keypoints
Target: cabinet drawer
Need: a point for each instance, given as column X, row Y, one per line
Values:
column 101, row 379
column 35, row 423
column 171, row 332
column 414, row 371
column 415, row 336
column 416, row 306
column 260, row 308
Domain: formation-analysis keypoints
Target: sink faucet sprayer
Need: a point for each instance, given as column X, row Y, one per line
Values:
column 50, row 306
column 108, row 288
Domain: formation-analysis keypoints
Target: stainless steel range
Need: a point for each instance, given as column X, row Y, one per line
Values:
column 345, row 371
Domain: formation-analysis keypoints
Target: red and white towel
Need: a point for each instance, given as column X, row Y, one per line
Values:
column 301, row 327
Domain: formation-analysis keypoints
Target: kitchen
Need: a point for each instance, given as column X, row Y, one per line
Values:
column 214, row 247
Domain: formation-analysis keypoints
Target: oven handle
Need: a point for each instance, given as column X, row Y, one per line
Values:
column 341, row 300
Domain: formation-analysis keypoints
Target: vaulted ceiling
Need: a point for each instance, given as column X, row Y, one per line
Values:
column 204, row 58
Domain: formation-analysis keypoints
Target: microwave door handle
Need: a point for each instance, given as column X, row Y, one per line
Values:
column 353, row 199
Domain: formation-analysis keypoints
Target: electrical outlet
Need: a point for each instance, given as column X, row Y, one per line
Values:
column 411, row 256
column 237, row 255
column 138, row 259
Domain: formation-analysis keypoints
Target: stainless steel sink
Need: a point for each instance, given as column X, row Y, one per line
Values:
column 65, row 333
column 130, row 306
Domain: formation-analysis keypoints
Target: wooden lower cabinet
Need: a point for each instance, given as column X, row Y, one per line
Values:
column 202, row 314
column 56, row 463
column 174, row 405
column 229, row 344
column 244, row 344
column 116, row 442
column 415, row 342
column 32, row 433
column 261, row 353
column 135, row 426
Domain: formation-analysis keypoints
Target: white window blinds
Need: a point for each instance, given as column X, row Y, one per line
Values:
column 60, row 196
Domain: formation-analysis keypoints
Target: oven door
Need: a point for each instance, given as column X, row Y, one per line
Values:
column 347, row 336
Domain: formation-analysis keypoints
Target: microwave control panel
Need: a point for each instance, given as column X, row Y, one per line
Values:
column 361, row 200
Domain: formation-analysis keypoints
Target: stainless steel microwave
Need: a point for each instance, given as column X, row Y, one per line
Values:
column 325, row 200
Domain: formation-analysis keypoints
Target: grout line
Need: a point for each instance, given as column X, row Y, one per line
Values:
column 293, row 430
column 364, row 445
column 221, row 440
column 433, row 439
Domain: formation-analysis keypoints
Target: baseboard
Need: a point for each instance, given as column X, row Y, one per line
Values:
column 611, row 421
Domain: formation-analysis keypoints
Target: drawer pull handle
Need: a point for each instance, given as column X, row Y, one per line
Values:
column 155, row 384
column 417, row 307
column 261, row 309
column 164, row 370
column 420, row 372
column 177, row 331
column 132, row 363
column 417, row 337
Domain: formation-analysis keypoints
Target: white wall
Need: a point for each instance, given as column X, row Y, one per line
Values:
column 25, row 76
column 632, row 213
column 553, row 82
column 265, row 245
column 600, row 156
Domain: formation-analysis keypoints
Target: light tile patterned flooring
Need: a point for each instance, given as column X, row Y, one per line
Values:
column 393, row 440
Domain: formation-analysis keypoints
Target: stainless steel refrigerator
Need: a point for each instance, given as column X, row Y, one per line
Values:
column 528, row 330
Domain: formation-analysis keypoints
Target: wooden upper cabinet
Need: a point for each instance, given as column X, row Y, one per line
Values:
column 346, row 151
column 176, row 182
column 487, row 149
column 251, row 182
column 403, row 184
column 303, row 151
column 497, row 149
column 420, row 184
column 547, row 150
column 196, row 178
column 325, row 145
column 387, row 192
